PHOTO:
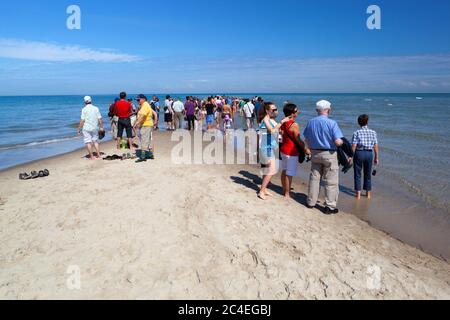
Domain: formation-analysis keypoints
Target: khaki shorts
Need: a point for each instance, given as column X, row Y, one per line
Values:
column 146, row 138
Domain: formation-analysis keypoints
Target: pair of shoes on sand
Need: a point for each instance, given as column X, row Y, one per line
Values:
column 34, row 175
column 128, row 156
column 112, row 158
column 143, row 156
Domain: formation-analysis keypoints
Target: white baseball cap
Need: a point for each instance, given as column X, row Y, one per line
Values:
column 323, row 105
column 87, row 99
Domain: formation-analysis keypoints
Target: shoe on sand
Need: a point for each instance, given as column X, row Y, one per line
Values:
column 34, row 175
column 24, row 176
column 329, row 211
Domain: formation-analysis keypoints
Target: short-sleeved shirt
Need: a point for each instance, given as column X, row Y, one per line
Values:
column 91, row 116
column 146, row 112
column 365, row 139
column 189, row 106
column 123, row 109
column 178, row 106
column 321, row 133
column 249, row 108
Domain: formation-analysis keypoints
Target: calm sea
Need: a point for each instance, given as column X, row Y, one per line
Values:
column 413, row 129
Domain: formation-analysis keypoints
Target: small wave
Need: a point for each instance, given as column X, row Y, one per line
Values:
column 422, row 193
column 37, row 143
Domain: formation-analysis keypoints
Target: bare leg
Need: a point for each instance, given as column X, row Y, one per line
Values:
column 287, row 185
column 118, row 143
column 284, row 182
column 130, row 141
column 263, row 192
column 369, row 195
column 89, row 149
column 97, row 149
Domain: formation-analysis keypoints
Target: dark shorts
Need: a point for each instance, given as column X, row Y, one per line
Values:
column 125, row 125
column 210, row 119
column 168, row 117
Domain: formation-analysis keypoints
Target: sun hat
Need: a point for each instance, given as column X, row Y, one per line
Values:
column 87, row 99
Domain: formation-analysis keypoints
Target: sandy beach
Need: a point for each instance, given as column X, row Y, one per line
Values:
column 162, row 231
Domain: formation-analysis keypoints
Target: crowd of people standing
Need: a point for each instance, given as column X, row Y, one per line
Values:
column 280, row 144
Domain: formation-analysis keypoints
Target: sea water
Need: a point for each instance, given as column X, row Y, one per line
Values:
column 413, row 132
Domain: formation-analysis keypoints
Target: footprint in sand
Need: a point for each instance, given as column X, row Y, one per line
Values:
column 2, row 202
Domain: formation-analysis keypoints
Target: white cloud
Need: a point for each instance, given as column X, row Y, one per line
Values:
column 51, row 52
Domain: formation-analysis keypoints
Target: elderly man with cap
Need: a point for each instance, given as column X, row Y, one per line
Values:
column 91, row 121
column 147, row 119
column 323, row 137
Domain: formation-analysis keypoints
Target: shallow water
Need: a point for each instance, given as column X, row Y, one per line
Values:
column 414, row 137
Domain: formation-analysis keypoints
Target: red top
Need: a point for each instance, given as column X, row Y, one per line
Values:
column 123, row 109
column 288, row 147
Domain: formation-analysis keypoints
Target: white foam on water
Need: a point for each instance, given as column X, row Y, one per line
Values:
column 37, row 143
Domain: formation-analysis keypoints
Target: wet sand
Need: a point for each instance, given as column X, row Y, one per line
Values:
column 162, row 231
column 398, row 213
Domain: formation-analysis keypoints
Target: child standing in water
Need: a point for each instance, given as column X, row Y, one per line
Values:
column 366, row 150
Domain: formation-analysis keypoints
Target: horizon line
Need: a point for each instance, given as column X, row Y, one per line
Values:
column 228, row 94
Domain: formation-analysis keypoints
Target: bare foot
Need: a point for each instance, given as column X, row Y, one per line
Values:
column 92, row 158
column 369, row 195
column 358, row 195
column 287, row 196
column 262, row 197
column 268, row 194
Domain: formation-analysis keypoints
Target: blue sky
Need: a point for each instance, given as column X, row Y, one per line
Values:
column 224, row 46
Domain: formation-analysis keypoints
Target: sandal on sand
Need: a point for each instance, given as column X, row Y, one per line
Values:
column 46, row 173
column 41, row 174
column 34, row 175
column 24, row 176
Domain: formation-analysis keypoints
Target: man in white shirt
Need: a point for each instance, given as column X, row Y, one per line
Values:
column 249, row 110
column 91, row 121
column 178, row 113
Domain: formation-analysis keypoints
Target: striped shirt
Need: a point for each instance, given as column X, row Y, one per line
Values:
column 365, row 139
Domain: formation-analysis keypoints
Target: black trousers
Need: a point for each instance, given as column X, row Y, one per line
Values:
column 191, row 122
column 124, row 124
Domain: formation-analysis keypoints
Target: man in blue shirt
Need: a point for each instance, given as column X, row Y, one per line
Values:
column 323, row 136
